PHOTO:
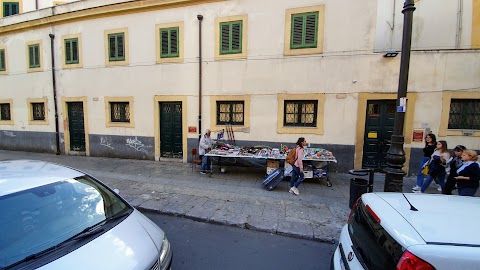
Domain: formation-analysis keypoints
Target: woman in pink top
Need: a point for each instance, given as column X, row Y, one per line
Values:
column 298, row 167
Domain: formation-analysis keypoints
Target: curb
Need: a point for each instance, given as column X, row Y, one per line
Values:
column 329, row 240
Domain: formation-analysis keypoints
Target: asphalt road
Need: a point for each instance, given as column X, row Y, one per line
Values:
column 198, row 245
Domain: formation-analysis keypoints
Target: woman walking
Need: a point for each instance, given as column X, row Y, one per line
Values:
column 454, row 164
column 468, row 174
column 297, row 167
column 436, row 166
column 430, row 145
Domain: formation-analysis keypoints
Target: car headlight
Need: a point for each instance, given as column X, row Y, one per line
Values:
column 164, row 251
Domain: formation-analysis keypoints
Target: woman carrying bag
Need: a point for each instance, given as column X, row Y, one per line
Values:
column 430, row 145
column 468, row 174
column 436, row 166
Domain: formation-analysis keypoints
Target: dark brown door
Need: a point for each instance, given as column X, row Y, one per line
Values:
column 378, row 132
column 171, row 144
column 76, row 126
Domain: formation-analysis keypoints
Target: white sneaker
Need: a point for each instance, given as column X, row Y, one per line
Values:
column 416, row 191
column 439, row 188
column 291, row 190
column 416, row 188
column 294, row 190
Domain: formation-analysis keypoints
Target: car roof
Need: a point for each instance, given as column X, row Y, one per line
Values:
column 440, row 219
column 18, row 175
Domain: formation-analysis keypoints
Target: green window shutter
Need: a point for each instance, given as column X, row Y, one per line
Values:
column 231, row 37
column 34, row 56
column 2, row 60
column 10, row 8
column 169, row 42
column 71, row 51
column 304, row 30
column 116, row 47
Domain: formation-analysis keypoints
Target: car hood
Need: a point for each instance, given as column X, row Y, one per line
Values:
column 440, row 219
column 126, row 246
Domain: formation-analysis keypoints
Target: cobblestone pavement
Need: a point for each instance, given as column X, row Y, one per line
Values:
column 235, row 198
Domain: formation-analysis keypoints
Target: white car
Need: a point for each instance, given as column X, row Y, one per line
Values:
column 410, row 231
column 54, row 217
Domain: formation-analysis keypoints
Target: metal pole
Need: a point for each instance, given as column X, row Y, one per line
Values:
column 57, row 128
column 396, row 156
column 200, row 18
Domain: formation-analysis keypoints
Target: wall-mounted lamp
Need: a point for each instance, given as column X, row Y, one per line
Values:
column 390, row 54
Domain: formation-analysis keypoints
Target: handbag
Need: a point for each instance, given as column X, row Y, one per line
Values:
column 425, row 170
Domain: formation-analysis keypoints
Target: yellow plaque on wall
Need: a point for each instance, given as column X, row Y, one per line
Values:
column 372, row 135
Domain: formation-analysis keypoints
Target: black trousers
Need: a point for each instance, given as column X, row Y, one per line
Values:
column 450, row 184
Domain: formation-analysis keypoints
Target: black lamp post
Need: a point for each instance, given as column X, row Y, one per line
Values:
column 396, row 156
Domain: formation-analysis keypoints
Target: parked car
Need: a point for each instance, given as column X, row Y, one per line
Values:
column 410, row 231
column 55, row 217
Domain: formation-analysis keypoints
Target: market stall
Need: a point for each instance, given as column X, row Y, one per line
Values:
column 316, row 160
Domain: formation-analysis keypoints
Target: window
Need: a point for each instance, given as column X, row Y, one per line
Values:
column 34, row 55
column 300, row 113
column 10, row 8
column 116, row 47
column 230, row 112
column 120, row 112
column 169, row 46
column 5, row 114
column 3, row 66
column 71, row 51
column 38, row 111
column 304, row 30
column 464, row 114
column 231, row 37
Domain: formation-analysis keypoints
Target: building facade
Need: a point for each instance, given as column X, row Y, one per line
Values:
column 127, row 79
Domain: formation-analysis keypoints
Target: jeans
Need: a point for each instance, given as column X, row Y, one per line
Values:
column 420, row 175
column 440, row 180
column 466, row 191
column 296, row 173
column 205, row 163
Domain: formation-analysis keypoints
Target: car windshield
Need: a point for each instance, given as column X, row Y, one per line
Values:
column 40, row 218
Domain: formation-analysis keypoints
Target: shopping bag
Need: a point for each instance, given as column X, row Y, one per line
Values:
column 425, row 170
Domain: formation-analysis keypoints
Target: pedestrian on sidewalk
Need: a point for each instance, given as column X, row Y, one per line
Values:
column 297, row 167
column 453, row 164
column 436, row 166
column 468, row 174
column 430, row 145
column 205, row 145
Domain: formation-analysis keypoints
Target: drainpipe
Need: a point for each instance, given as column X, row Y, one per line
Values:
column 458, row 40
column 57, row 132
column 200, row 18
column 36, row 4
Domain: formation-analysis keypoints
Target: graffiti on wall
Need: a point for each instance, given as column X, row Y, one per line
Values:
column 107, row 142
column 137, row 145
column 9, row 134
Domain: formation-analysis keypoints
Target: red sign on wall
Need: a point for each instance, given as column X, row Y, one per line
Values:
column 417, row 135
column 192, row 129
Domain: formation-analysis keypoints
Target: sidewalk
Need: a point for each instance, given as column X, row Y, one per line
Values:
column 236, row 198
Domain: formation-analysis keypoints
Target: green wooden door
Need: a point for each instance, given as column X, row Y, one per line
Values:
column 171, row 144
column 76, row 126
column 378, row 132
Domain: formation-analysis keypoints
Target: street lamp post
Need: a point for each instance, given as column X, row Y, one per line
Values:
column 396, row 156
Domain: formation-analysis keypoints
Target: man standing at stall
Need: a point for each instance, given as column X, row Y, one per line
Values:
column 206, row 144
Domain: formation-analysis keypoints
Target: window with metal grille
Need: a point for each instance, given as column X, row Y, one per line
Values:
column 304, row 30
column 38, row 111
column 10, row 8
column 34, row 55
column 230, row 112
column 5, row 112
column 231, row 37
column 71, row 51
column 300, row 113
column 116, row 47
column 464, row 114
column 120, row 112
column 169, row 42
column 3, row 67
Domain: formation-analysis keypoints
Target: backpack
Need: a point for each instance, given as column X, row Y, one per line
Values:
column 292, row 156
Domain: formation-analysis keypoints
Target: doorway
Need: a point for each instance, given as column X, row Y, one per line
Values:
column 76, row 126
column 379, row 123
column 171, row 135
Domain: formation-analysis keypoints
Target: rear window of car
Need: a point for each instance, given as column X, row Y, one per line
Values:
column 37, row 219
column 373, row 246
